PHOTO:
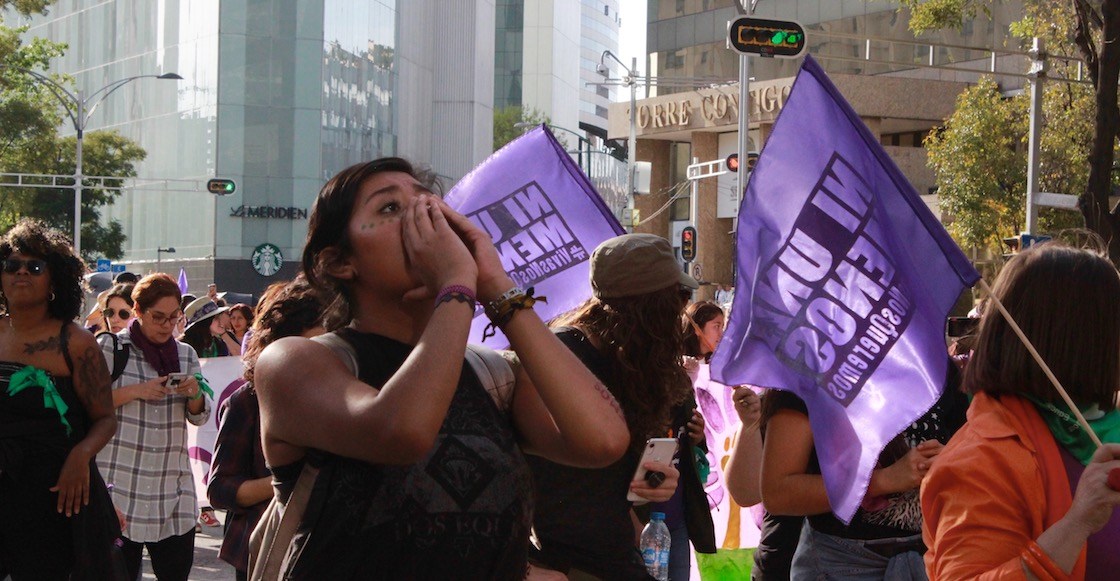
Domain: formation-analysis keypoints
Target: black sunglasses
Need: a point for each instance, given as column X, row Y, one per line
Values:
column 123, row 313
column 34, row 266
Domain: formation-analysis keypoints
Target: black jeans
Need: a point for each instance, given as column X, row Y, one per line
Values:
column 172, row 558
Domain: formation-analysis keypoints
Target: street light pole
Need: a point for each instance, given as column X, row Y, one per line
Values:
column 159, row 252
column 631, row 80
column 79, row 110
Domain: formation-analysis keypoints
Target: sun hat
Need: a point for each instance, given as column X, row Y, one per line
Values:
column 636, row 264
column 200, row 310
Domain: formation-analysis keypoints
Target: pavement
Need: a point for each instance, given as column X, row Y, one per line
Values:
column 207, row 565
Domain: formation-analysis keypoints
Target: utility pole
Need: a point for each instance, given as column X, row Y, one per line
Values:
column 1038, row 76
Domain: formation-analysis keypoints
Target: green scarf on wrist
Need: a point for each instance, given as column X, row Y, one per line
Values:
column 1069, row 433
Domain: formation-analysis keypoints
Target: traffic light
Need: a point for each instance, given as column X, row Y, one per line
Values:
column 221, row 187
column 688, row 244
column 762, row 36
column 752, row 159
column 732, row 163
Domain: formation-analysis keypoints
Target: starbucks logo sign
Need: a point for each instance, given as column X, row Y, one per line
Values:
column 267, row 259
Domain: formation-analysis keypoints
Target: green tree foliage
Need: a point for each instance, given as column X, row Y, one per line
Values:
column 1081, row 125
column 30, row 118
column 506, row 120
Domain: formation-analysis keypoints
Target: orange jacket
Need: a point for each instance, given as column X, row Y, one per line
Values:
column 997, row 485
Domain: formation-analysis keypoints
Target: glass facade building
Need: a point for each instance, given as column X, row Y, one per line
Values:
column 277, row 95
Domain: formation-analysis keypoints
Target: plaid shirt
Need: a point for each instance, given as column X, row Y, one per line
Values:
column 238, row 457
column 146, row 462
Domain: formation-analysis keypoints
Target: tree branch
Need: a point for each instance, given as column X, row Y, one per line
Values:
column 1087, row 17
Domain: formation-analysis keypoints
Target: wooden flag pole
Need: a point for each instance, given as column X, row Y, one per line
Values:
column 1114, row 475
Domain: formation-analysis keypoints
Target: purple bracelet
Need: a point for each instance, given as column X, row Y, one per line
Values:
column 456, row 292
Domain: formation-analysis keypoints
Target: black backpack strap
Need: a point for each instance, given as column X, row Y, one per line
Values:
column 64, row 344
column 120, row 355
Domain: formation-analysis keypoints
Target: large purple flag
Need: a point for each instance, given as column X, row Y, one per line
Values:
column 544, row 216
column 844, row 281
column 183, row 286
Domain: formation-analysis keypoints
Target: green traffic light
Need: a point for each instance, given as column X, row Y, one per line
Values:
column 778, row 37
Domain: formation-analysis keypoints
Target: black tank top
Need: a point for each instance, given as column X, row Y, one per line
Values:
column 463, row 512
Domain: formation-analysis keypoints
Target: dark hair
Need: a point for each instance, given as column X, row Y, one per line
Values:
column 642, row 338
column 327, row 240
column 699, row 313
column 198, row 336
column 285, row 310
column 34, row 238
column 185, row 300
column 152, row 288
column 1077, row 334
column 126, row 278
column 121, row 291
column 245, row 310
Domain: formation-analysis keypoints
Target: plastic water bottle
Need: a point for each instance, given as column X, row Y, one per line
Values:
column 655, row 547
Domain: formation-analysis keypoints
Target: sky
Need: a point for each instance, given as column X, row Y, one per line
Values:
column 632, row 37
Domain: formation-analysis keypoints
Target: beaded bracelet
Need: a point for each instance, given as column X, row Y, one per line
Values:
column 501, row 310
column 456, row 292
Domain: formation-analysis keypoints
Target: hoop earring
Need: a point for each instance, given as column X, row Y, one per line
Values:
column 52, row 297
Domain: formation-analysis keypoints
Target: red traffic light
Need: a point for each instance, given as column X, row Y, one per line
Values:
column 688, row 243
column 732, row 162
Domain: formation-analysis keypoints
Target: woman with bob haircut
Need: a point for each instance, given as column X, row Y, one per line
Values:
column 420, row 467
column 56, row 413
column 1021, row 491
column 146, row 463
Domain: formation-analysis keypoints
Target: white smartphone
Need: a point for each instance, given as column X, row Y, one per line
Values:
column 174, row 379
column 656, row 450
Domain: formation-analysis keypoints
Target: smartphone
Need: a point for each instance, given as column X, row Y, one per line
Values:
column 174, row 379
column 656, row 450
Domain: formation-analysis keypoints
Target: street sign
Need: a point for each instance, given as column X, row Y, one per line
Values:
column 103, row 264
column 766, row 37
column 117, row 268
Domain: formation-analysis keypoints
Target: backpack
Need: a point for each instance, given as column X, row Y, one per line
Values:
column 120, row 355
column 270, row 542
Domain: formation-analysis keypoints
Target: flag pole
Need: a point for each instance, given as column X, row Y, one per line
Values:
column 1045, row 368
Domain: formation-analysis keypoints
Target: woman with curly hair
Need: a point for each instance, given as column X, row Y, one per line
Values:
column 240, row 481
column 56, row 413
column 629, row 335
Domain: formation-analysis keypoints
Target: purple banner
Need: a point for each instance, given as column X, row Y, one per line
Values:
column 844, row 279
column 544, row 216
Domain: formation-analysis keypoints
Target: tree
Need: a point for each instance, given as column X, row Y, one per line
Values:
column 30, row 115
column 507, row 118
column 1091, row 29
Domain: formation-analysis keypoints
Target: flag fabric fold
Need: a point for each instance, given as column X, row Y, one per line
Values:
column 844, row 279
column 544, row 217
column 183, row 286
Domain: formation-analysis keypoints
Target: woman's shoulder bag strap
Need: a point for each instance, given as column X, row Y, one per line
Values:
column 494, row 372
column 270, row 545
column 342, row 349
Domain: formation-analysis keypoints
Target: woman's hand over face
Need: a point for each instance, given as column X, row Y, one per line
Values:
column 435, row 251
column 492, row 278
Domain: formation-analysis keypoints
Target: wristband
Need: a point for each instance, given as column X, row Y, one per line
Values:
column 501, row 310
column 456, row 292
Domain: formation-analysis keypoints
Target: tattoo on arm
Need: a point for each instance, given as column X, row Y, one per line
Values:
column 50, row 344
column 94, row 381
column 606, row 394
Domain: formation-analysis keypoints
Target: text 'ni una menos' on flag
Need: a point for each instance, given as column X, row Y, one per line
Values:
column 544, row 217
column 844, row 280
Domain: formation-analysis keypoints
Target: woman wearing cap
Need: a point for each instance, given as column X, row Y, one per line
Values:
column 56, row 412
column 146, row 463
column 421, row 473
column 207, row 329
column 629, row 335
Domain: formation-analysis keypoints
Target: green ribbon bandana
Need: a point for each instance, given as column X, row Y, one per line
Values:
column 203, row 387
column 34, row 377
column 1069, row 433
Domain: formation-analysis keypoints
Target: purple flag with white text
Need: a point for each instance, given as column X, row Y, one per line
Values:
column 844, row 281
column 544, row 216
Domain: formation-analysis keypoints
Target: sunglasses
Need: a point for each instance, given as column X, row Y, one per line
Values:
column 122, row 313
column 34, row 266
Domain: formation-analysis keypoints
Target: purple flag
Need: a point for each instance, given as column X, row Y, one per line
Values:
column 844, row 281
column 544, row 216
column 183, row 281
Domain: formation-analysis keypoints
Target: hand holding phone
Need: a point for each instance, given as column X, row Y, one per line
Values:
column 657, row 450
column 174, row 379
